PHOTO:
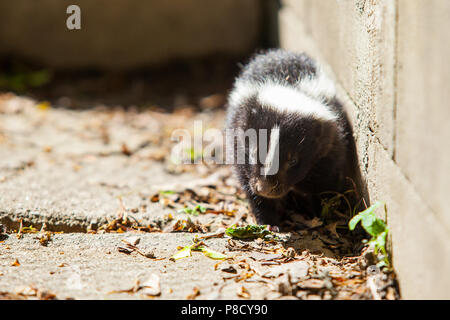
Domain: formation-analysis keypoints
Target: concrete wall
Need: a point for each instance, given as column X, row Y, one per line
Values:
column 121, row 34
column 390, row 58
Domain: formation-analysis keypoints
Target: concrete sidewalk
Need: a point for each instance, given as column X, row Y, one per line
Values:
column 75, row 171
column 69, row 168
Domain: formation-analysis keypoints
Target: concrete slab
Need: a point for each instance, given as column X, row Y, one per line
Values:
column 56, row 167
column 69, row 169
column 84, row 266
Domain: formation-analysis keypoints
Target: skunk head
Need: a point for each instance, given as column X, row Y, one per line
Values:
column 298, row 132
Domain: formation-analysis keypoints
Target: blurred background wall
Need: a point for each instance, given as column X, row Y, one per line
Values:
column 123, row 34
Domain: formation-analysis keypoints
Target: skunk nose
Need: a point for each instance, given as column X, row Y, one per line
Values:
column 262, row 187
column 268, row 189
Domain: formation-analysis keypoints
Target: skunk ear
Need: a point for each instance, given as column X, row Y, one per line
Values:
column 326, row 137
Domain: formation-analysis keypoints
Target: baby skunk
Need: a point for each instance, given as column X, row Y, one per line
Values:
column 309, row 140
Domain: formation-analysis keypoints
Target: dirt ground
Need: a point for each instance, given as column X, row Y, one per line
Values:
column 93, row 207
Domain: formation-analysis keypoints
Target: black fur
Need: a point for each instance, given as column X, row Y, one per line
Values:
column 280, row 65
column 324, row 148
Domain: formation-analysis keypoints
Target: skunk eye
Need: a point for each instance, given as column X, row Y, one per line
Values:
column 293, row 162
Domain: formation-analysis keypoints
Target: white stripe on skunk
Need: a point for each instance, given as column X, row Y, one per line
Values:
column 289, row 99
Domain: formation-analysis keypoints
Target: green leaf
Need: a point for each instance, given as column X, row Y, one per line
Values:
column 166, row 192
column 368, row 216
column 213, row 254
column 373, row 226
column 248, row 232
column 380, row 242
column 354, row 221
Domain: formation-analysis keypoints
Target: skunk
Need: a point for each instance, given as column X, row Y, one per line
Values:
column 304, row 142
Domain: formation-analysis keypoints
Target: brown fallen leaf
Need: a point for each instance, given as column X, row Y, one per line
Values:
column 125, row 150
column 234, row 246
column 195, row 293
column 189, row 226
column 270, row 263
column 154, row 198
column 244, row 276
column 47, row 149
column 224, row 212
column 229, row 269
column 151, row 287
column 44, row 238
column 32, row 291
column 243, row 292
column 290, row 253
column 125, row 250
column 243, row 264
column 313, row 223
column 16, row 263
column 215, row 235
column 133, row 248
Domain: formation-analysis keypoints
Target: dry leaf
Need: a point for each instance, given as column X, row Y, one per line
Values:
column 243, row 293
column 154, row 198
column 194, row 294
column 44, row 238
column 125, row 150
column 229, row 269
column 124, row 250
column 332, row 228
column 151, row 287
column 16, row 263
column 313, row 223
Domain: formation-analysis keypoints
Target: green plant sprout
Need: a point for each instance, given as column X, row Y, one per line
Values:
column 197, row 245
column 376, row 228
column 23, row 80
column 193, row 154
